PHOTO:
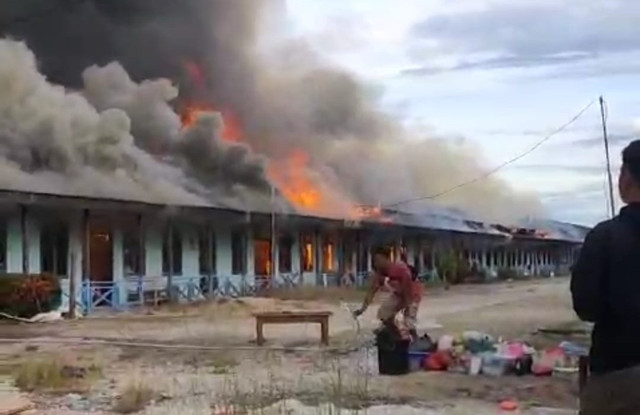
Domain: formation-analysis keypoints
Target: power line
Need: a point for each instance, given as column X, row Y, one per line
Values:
column 501, row 166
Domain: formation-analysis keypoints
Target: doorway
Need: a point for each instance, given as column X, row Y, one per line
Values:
column 100, row 253
column 262, row 257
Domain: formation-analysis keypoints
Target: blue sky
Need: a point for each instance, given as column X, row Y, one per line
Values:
column 500, row 73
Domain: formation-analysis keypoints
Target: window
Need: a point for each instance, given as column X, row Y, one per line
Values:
column 133, row 252
column 238, row 253
column 54, row 249
column 285, row 246
column 328, row 256
column 307, row 253
column 207, row 252
column 3, row 246
column 176, row 250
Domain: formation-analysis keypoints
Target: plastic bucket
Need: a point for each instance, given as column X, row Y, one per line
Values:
column 416, row 360
column 393, row 354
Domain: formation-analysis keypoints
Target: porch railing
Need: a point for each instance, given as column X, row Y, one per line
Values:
column 138, row 291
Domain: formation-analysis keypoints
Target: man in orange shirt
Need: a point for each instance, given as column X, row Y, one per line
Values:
column 405, row 296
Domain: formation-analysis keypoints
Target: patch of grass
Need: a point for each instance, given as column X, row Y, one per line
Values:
column 52, row 374
column 343, row 386
column 135, row 397
column 221, row 363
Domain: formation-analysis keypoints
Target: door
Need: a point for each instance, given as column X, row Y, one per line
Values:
column 100, row 253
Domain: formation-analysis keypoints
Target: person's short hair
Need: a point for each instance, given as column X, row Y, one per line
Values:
column 384, row 251
column 631, row 160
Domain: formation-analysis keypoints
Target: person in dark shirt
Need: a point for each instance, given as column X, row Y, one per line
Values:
column 605, row 288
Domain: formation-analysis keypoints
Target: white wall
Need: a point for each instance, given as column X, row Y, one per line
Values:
column 153, row 249
column 118, row 254
column 223, row 250
column 14, row 245
column 33, row 235
column 190, row 251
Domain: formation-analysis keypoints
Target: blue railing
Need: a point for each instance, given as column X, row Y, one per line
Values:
column 137, row 291
column 100, row 294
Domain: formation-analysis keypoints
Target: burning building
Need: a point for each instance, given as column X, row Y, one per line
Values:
column 151, row 143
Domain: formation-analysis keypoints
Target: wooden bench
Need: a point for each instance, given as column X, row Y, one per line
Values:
column 292, row 317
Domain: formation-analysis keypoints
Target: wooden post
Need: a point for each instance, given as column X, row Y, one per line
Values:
column 170, row 260
column 259, row 331
column 210, row 249
column 324, row 331
column 142, row 247
column 25, row 239
column 86, row 261
column 86, row 232
column 317, row 255
column 72, row 287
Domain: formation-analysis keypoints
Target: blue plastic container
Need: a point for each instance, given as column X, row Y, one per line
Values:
column 416, row 360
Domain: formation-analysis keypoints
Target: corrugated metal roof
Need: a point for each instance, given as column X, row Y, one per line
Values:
column 434, row 218
column 557, row 230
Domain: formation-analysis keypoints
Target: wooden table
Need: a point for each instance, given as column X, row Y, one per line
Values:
column 292, row 317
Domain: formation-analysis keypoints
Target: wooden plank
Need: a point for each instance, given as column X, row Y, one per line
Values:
column 291, row 320
column 292, row 313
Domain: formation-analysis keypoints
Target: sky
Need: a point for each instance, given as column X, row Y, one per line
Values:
column 502, row 74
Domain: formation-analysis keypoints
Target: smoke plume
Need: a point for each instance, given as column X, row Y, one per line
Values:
column 130, row 67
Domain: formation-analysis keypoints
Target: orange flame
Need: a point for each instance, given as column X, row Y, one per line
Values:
column 293, row 179
column 292, row 176
column 231, row 130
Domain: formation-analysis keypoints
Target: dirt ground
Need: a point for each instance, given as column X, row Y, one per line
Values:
column 292, row 367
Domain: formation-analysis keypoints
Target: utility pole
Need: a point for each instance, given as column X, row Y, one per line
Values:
column 608, row 157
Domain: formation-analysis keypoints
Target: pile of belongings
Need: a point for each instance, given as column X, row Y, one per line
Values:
column 476, row 353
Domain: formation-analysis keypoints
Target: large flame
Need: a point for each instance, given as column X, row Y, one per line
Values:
column 292, row 174
column 292, row 177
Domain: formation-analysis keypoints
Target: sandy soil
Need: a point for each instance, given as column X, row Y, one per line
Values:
column 190, row 381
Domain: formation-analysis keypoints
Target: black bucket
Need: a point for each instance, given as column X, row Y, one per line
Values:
column 393, row 353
